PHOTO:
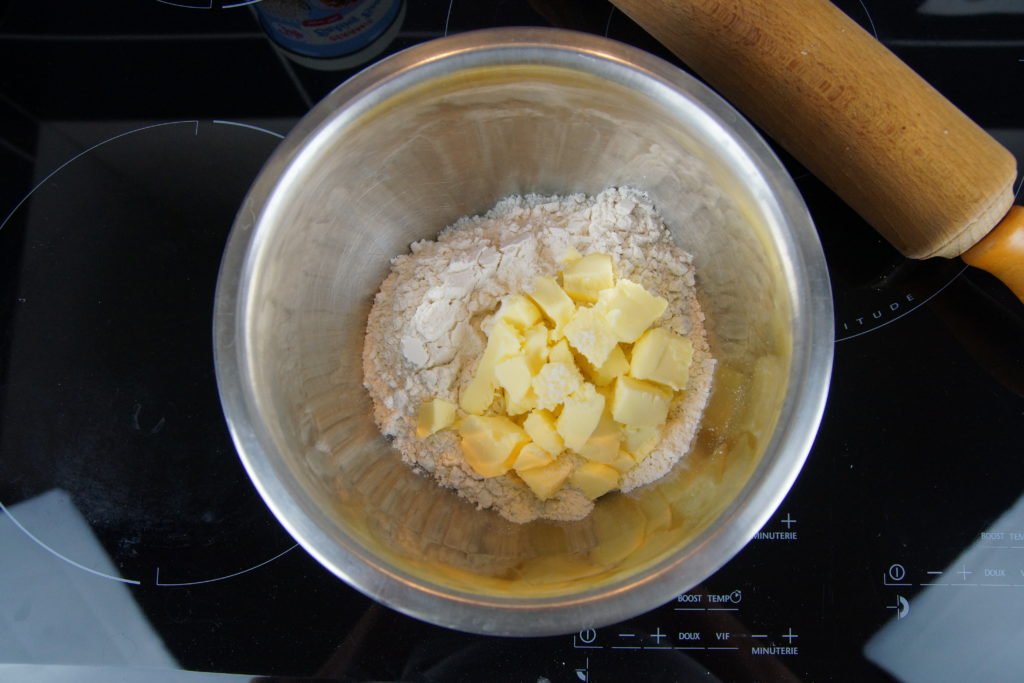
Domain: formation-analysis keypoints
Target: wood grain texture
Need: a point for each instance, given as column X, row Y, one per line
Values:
column 914, row 166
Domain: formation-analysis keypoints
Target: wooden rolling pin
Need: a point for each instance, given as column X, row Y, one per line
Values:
column 929, row 179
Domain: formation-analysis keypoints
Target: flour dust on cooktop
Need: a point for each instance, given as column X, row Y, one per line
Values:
column 110, row 397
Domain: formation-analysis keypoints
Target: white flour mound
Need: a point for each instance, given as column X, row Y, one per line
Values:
column 426, row 330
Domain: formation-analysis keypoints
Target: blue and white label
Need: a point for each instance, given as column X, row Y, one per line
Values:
column 326, row 28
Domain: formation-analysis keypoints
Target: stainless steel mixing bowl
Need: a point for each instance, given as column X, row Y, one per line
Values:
column 444, row 130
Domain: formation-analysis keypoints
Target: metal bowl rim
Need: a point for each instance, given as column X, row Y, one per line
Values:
column 789, row 446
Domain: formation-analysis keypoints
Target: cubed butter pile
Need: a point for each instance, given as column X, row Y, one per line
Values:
column 585, row 382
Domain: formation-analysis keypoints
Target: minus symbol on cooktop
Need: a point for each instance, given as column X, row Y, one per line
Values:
column 689, row 609
column 758, row 635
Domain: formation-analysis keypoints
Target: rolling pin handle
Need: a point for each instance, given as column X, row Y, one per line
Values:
column 1001, row 252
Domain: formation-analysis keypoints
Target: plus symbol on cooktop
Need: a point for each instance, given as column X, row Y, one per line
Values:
column 788, row 521
column 963, row 572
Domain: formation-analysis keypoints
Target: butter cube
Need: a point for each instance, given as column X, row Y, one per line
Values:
column 553, row 301
column 591, row 335
column 663, row 357
column 519, row 311
column 561, row 353
column 502, row 343
column 583, row 279
column 514, row 376
column 491, row 443
column 540, row 425
column 531, row 455
column 580, row 415
column 535, row 347
column 638, row 403
column 595, row 479
column 546, row 480
column 478, row 395
column 434, row 415
column 629, row 309
column 616, row 364
column 623, row 462
column 523, row 405
column 603, row 444
column 554, row 383
column 640, row 441
column 570, row 255
column 608, row 391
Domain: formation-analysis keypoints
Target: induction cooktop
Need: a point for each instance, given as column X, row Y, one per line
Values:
column 134, row 547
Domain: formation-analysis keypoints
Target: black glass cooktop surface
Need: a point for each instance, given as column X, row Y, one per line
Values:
column 132, row 544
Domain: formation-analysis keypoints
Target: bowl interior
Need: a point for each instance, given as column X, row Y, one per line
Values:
column 382, row 165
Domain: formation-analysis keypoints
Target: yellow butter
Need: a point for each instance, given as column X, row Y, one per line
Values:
column 520, row 311
column 540, row 425
column 585, row 277
column 522, row 405
column 490, row 443
column 612, row 421
column 608, row 391
column 553, row 301
column 603, row 444
column 640, row 441
column 580, row 415
column 615, row 365
column 663, row 357
column 629, row 309
column 434, row 415
column 478, row 395
column 514, row 376
column 554, row 383
column 545, row 481
column 638, row 403
column 503, row 341
column 561, row 353
column 570, row 255
column 531, row 455
column 535, row 347
column 623, row 462
column 591, row 335
column 595, row 479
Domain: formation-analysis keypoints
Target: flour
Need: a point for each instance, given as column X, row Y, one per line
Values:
column 428, row 326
